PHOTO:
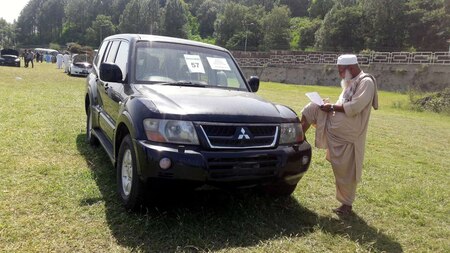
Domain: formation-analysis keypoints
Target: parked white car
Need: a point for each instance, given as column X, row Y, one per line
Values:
column 80, row 65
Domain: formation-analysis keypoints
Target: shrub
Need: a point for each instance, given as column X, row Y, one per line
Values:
column 436, row 102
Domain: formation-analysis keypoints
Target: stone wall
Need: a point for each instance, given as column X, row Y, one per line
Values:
column 395, row 71
column 389, row 77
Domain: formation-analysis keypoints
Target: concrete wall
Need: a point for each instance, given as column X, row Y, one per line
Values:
column 390, row 77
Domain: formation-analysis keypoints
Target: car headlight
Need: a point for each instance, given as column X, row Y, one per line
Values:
column 17, row 60
column 171, row 131
column 291, row 133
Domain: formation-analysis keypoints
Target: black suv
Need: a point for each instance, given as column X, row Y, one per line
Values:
column 173, row 112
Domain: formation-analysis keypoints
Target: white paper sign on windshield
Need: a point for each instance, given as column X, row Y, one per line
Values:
column 218, row 63
column 194, row 63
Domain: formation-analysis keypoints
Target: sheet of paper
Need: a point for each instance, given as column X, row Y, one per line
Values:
column 218, row 63
column 314, row 97
column 194, row 63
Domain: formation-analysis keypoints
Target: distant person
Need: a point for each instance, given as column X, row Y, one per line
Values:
column 25, row 58
column 341, row 128
column 29, row 55
column 59, row 60
column 38, row 56
column 66, row 59
column 48, row 58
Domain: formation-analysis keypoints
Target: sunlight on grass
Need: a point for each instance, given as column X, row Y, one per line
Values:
column 59, row 194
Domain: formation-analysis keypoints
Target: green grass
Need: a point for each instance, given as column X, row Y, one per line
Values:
column 58, row 194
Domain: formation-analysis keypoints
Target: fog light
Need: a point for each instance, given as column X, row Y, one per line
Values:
column 165, row 163
column 305, row 160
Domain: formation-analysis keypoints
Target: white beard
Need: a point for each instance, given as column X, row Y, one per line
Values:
column 346, row 82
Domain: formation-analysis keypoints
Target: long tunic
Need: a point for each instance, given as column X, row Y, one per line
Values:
column 344, row 134
column 59, row 60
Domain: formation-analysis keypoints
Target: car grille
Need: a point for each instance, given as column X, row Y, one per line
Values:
column 239, row 136
column 259, row 165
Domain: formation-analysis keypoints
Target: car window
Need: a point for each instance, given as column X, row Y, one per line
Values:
column 112, row 52
column 101, row 52
column 158, row 62
column 122, row 57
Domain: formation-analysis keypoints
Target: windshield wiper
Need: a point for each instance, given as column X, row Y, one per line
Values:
column 184, row 83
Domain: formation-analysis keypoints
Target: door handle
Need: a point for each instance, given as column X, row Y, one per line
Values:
column 106, row 87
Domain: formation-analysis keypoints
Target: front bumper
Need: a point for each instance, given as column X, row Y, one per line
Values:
column 224, row 167
column 79, row 71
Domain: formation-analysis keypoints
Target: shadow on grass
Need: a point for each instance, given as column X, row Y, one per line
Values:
column 216, row 219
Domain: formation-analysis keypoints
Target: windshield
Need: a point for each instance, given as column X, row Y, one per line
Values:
column 82, row 58
column 176, row 64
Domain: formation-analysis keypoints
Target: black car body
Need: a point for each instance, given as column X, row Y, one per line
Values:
column 9, row 57
column 171, row 111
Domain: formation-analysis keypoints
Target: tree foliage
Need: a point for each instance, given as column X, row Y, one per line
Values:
column 276, row 26
column 384, row 23
column 428, row 23
column 349, row 25
column 303, row 32
column 341, row 30
column 7, row 34
column 175, row 19
column 141, row 16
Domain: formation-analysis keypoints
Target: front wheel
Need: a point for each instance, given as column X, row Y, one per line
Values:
column 129, row 185
column 91, row 139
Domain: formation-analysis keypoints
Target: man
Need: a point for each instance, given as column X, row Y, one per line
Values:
column 25, row 58
column 59, row 60
column 66, row 60
column 341, row 128
column 29, row 55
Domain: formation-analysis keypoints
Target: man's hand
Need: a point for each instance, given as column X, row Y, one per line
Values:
column 326, row 107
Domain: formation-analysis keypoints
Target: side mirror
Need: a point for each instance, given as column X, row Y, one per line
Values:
column 110, row 72
column 254, row 83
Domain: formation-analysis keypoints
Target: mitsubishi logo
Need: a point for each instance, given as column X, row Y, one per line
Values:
column 243, row 135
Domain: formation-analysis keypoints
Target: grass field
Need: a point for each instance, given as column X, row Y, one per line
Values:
column 57, row 194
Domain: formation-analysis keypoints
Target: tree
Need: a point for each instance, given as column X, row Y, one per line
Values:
column 428, row 24
column 303, row 32
column 130, row 19
column 234, row 24
column 175, row 19
column 341, row 30
column 7, row 34
column 50, row 17
column 79, row 16
column 276, row 27
column 100, row 28
column 299, row 8
column 319, row 8
column 266, row 4
column 207, row 15
column 150, row 16
column 384, row 24
column 27, row 22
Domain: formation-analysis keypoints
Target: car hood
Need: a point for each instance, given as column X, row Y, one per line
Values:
column 211, row 104
column 9, row 52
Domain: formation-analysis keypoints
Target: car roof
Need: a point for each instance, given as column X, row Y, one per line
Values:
column 157, row 38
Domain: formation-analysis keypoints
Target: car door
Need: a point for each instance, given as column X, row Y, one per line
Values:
column 107, row 94
column 115, row 90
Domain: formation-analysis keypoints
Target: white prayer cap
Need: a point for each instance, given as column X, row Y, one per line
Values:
column 347, row 59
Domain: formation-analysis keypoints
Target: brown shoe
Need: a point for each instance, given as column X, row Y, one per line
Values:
column 343, row 210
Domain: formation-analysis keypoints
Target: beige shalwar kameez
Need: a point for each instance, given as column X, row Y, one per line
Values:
column 344, row 134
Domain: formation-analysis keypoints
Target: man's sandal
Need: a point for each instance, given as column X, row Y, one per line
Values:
column 343, row 210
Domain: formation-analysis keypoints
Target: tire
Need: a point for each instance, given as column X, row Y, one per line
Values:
column 91, row 139
column 129, row 186
column 279, row 189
